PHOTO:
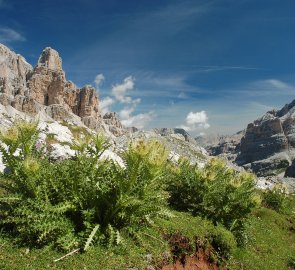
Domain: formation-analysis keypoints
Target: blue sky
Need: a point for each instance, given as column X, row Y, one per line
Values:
column 208, row 66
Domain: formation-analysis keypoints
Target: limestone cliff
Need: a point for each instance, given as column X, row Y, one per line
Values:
column 269, row 143
column 46, row 88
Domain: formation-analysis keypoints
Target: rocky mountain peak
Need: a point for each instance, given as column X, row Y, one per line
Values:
column 50, row 59
column 268, row 146
column 45, row 90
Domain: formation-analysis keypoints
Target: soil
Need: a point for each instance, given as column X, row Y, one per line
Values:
column 199, row 261
column 181, row 247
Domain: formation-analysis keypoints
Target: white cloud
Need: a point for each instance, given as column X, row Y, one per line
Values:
column 196, row 121
column 119, row 90
column 105, row 104
column 8, row 35
column 139, row 120
column 98, row 80
column 126, row 112
column 196, row 118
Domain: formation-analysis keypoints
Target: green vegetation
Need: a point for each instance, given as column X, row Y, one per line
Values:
column 276, row 199
column 121, row 217
column 76, row 202
column 270, row 244
column 215, row 192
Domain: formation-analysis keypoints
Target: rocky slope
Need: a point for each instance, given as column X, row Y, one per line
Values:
column 176, row 132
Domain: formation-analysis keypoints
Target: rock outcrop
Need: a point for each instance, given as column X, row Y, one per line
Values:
column 175, row 144
column 46, row 88
column 268, row 146
column 114, row 123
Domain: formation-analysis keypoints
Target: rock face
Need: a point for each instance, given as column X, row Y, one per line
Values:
column 45, row 87
column 263, row 138
column 268, row 146
column 113, row 121
column 13, row 75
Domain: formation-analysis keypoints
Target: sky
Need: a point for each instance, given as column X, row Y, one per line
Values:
column 207, row 66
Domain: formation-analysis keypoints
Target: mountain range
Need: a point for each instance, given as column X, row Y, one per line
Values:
column 266, row 146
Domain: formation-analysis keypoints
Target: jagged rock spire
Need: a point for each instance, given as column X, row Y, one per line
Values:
column 50, row 59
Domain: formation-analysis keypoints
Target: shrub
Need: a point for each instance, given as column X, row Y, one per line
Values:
column 83, row 200
column 275, row 198
column 215, row 192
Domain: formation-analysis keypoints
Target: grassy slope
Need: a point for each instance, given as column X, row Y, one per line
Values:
column 270, row 246
column 271, row 243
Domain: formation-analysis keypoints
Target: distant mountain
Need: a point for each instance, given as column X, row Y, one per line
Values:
column 222, row 145
column 269, row 142
column 267, row 146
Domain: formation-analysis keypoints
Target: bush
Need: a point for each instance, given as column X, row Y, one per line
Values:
column 216, row 192
column 83, row 200
column 275, row 199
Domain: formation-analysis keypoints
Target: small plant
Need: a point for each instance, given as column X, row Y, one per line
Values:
column 20, row 141
column 50, row 138
column 275, row 199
